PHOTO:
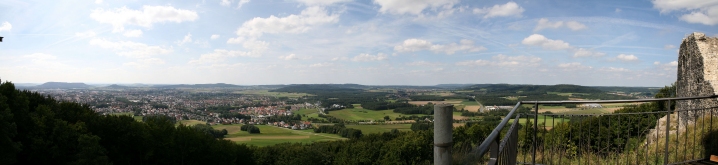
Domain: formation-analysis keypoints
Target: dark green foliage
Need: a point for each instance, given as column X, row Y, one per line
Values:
column 250, row 128
column 35, row 129
column 384, row 105
column 418, row 126
column 426, row 98
column 208, row 130
column 340, row 130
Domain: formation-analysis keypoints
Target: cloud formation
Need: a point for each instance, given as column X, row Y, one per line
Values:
column 544, row 23
column 146, row 17
column 510, row 9
column 543, row 42
column 6, row 26
column 413, row 45
column 309, row 17
column 414, row 7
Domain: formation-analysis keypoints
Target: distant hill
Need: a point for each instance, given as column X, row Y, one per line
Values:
column 561, row 88
column 217, row 85
column 319, row 88
column 62, row 85
column 453, row 85
column 115, row 86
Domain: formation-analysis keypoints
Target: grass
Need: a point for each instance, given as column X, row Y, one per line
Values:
column 306, row 113
column 370, row 129
column 469, row 103
column 190, row 122
column 587, row 111
column 696, row 142
column 363, row 114
column 271, row 135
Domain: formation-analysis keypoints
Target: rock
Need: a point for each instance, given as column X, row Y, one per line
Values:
column 697, row 75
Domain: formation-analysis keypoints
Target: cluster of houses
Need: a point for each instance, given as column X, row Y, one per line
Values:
column 295, row 126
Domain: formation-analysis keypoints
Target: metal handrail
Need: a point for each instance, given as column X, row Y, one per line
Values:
column 486, row 144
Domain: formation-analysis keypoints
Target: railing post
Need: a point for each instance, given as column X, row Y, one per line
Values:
column 535, row 145
column 668, row 127
column 443, row 138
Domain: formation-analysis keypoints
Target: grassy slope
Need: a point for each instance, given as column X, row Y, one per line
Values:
column 369, row 129
column 364, row 114
column 271, row 135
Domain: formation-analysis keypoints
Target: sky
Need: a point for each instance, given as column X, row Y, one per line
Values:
column 371, row 42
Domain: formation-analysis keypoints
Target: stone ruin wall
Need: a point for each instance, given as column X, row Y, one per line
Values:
column 697, row 75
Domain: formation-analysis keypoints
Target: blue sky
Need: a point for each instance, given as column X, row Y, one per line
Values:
column 377, row 42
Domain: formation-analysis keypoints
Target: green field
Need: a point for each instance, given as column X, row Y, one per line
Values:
column 271, row 135
column 190, row 122
column 306, row 113
column 588, row 111
column 363, row 114
column 275, row 94
column 469, row 103
column 370, row 129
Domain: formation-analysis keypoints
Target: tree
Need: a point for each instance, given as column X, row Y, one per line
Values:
column 387, row 118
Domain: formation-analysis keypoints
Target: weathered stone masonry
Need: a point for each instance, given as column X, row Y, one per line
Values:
column 697, row 74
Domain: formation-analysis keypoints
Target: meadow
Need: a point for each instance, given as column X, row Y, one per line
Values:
column 271, row 135
column 358, row 113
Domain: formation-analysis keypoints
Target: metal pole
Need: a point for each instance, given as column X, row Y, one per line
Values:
column 443, row 133
column 668, row 127
column 535, row 132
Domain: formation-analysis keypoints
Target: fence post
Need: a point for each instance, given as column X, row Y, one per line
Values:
column 533, row 155
column 668, row 127
column 443, row 138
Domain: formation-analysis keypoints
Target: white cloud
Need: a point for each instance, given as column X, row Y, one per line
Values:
column 35, row 57
column 143, row 63
column 321, row 2
column 326, row 64
column 133, row 33
column 540, row 40
column 86, row 34
column 6, row 26
column 544, row 23
column 369, row 57
column 241, row 3
column 423, row 63
column 673, row 63
column 581, row 52
column 149, row 15
column 187, row 39
column 98, row 1
column 572, row 66
column 289, row 57
column 225, row 2
column 412, row 45
column 340, row 59
column 131, row 49
column 504, row 61
column 618, row 10
column 301, row 23
column 701, row 11
column 506, row 10
column 414, row 7
column 612, row 69
column 214, row 36
column 669, row 47
column 220, row 55
column 573, row 25
column 627, row 57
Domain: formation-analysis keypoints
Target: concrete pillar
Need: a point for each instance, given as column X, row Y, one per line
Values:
column 443, row 138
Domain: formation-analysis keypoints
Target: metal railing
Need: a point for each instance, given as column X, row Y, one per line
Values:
column 626, row 137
